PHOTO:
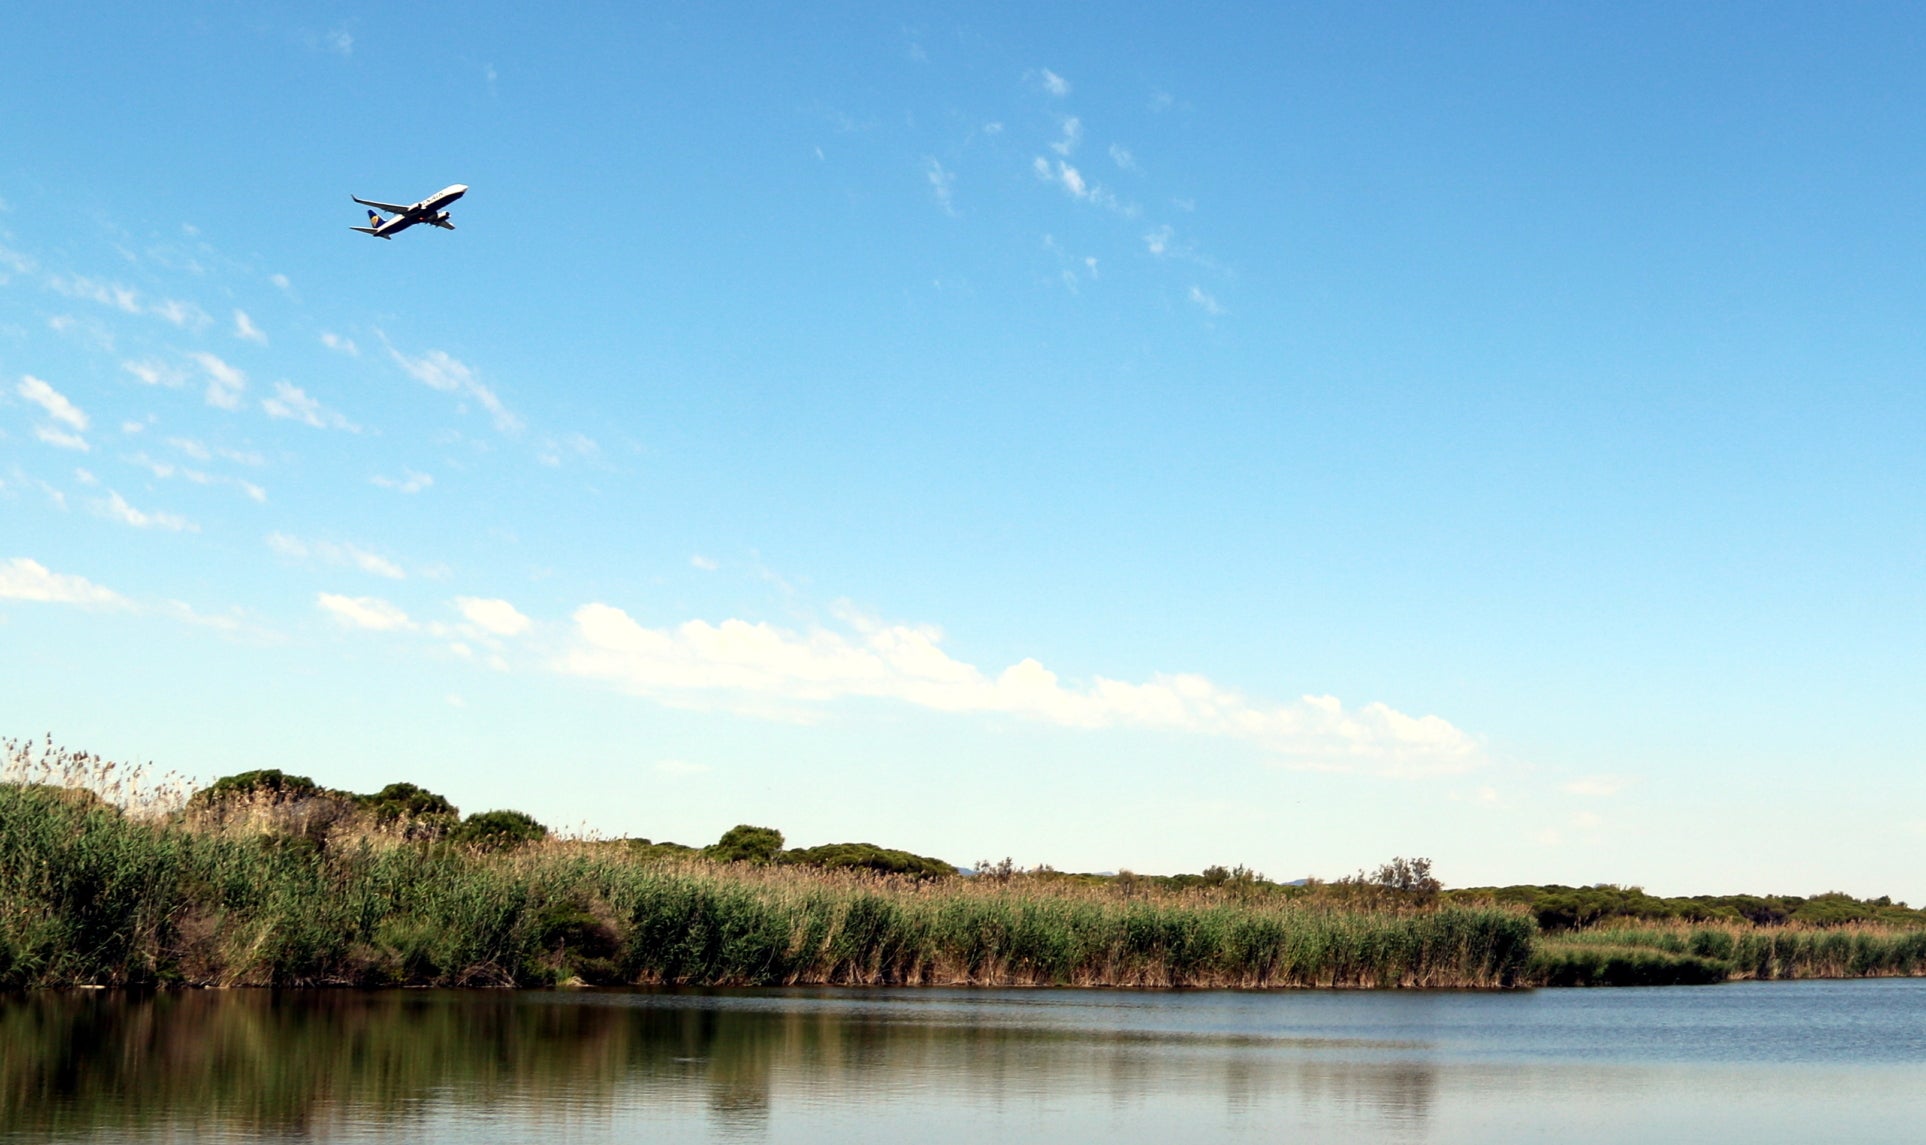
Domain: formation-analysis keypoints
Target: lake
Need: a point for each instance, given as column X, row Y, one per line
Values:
column 1748, row 1062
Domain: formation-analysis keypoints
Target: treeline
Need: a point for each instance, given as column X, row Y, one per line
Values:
column 1561, row 908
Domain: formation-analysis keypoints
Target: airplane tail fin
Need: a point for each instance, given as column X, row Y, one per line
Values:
column 375, row 220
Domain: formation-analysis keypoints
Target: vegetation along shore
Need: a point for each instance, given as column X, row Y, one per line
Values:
column 270, row 879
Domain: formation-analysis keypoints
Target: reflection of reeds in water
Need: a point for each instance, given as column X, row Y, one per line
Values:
column 325, row 1064
column 103, row 891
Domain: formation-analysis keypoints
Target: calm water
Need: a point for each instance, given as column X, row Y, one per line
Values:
column 1803, row 1061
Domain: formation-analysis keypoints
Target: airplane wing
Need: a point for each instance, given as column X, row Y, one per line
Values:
column 391, row 208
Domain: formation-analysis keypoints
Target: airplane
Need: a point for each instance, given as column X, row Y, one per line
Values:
column 429, row 211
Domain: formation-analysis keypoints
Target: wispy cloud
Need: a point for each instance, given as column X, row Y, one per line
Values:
column 225, row 383
column 339, row 344
column 61, row 439
column 1053, row 83
column 1072, row 135
column 246, row 330
column 292, row 402
column 166, row 470
column 747, row 665
column 332, row 553
column 493, row 616
column 128, row 300
column 22, row 578
column 51, row 400
column 1121, row 156
column 439, row 370
column 942, row 185
column 1205, row 301
column 115, row 507
column 408, row 482
column 368, row 612
column 552, row 451
column 1597, row 786
column 1077, row 187
column 150, row 372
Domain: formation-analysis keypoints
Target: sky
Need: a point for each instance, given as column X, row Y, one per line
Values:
column 1127, row 436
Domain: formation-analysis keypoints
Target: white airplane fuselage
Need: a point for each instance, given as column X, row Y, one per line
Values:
column 431, row 210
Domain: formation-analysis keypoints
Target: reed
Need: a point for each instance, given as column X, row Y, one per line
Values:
column 107, row 880
column 1737, row 950
column 93, row 895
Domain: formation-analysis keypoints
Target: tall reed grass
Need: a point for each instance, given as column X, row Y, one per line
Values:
column 1660, row 954
column 90, row 894
column 106, row 880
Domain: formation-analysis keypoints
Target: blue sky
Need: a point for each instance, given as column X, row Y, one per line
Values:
column 1139, row 436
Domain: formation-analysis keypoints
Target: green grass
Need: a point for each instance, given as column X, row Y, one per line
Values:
column 92, row 896
column 103, row 884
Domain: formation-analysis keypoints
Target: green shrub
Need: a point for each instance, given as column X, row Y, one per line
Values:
column 497, row 830
column 745, row 844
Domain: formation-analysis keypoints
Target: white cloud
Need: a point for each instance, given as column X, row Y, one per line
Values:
column 224, row 383
column 292, row 402
column 942, row 183
column 1072, row 135
column 61, row 438
column 1072, row 180
column 24, row 579
column 1596, row 786
column 246, row 330
column 329, row 552
column 1121, row 156
column 166, row 470
column 408, row 482
column 51, row 400
column 128, row 300
column 13, row 262
column 1054, row 83
column 553, row 450
column 1203, row 300
column 738, row 660
column 122, row 298
column 367, row 612
column 496, row 617
column 1077, row 187
column 86, row 478
column 339, row 42
column 182, row 314
column 117, row 508
column 441, row 371
column 153, row 373
column 703, row 563
column 339, row 344
column 192, row 448
column 281, row 281
column 1159, row 240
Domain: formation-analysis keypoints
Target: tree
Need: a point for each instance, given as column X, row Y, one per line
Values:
column 746, row 844
column 498, row 830
column 1408, row 876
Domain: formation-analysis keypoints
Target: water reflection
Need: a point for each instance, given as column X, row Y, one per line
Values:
column 949, row 1065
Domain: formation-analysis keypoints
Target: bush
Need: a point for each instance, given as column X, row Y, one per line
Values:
column 867, row 857
column 497, row 830
column 745, row 844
